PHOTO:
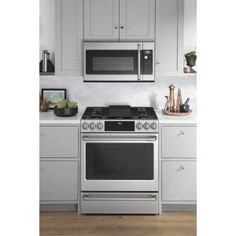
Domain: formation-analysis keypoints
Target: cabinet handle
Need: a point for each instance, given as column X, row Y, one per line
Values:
column 181, row 132
column 157, row 62
column 122, row 27
column 115, row 26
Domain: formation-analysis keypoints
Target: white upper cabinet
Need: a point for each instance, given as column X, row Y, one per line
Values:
column 137, row 20
column 169, row 37
column 125, row 20
column 101, row 19
column 69, row 37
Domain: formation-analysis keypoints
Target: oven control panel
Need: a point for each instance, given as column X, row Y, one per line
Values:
column 143, row 126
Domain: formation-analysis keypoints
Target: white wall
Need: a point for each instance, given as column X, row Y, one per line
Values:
column 190, row 24
column 135, row 94
column 47, row 26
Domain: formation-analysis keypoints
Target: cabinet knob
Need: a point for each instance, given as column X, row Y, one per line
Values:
column 80, row 61
column 180, row 168
column 157, row 62
column 181, row 132
column 115, row 26
column 122, row 27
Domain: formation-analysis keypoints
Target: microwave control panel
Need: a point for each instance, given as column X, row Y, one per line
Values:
column 147, row 62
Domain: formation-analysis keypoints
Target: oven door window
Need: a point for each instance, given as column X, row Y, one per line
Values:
column 112, row 62
column 119, row 161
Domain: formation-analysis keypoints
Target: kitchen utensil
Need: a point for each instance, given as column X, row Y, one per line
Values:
column 45, row 60
column 167, row 104
column 46, row 64
column 184, row 108
column 187, row 101
column 178, row 100
column 171, row 98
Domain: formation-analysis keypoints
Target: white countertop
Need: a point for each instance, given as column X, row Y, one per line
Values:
column 49, row 118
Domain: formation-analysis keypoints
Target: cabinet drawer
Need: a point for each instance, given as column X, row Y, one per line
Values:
column 178, row 142
column 58, row 180
column 178, row 180
column 59, row 141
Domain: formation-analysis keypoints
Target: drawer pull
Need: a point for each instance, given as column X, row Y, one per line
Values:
column 181, row 132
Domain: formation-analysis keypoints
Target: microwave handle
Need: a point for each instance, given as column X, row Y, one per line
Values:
column 139, row 61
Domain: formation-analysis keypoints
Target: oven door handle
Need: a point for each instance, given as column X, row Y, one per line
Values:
column 87, row 197
column 120, row 138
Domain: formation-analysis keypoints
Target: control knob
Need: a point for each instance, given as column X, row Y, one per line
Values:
column 146, row 126
column 153, row 125
column 139, row 125
column 85, row 125
column 92, row 125
column 100, row 125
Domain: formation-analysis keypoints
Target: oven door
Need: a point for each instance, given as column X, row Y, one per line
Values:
column 119, row 162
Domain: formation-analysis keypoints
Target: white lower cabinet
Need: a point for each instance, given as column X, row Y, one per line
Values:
column 59, row 180
column 178, row 164
column 59, row 142
column 178, row 142
column 178, row 180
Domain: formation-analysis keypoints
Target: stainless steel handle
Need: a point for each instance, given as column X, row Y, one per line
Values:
column 120, row 138
column 139, row 61
column 91, row 198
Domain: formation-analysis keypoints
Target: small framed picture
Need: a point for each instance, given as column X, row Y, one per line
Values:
column 53, row 95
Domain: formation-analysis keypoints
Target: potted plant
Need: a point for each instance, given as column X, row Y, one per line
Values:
column 191, row 58
column 66, row 108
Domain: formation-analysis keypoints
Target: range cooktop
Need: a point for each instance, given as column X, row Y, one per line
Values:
column 119, row 119
column 120, row 113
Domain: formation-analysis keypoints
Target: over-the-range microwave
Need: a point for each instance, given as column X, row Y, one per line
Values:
column 119, row 61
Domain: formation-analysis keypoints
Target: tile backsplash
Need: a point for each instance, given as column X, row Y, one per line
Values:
column 134, row 94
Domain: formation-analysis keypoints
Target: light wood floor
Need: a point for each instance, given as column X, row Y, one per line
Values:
column 72, row 224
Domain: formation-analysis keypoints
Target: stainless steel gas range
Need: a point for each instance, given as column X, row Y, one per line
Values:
column 119, row 160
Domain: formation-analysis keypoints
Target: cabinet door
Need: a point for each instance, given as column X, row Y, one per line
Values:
column 58, row 180
column 178, row 181
column 178, row 142
column 69, row 37
column 101, row 20
column 137, row 20
column 169, row 37
column 59, row 141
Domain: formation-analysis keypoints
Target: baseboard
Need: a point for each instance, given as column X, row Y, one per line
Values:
column 179, row 207
column 58, row 207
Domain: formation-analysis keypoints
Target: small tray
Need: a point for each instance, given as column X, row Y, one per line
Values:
column 168, row 113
